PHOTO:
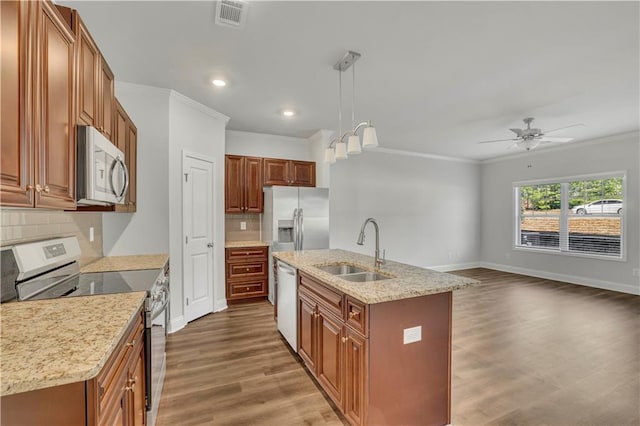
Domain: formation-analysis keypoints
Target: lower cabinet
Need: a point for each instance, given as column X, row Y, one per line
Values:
column 246, row 274
column 358, row 355
column 116, row 396
column 331, row 349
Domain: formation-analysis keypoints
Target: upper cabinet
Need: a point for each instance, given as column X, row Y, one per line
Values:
column 94, row 83
column 243, row 184
column 38, row 120
column 125, row 137
column 289, row 172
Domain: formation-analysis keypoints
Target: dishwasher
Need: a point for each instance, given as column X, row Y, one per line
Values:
column 287, row 300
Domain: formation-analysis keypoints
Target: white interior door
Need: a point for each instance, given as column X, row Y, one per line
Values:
column 197, row 229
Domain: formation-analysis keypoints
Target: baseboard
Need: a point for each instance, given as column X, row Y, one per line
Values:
column 177, row 324
column 456, row 266
column 220, row 305
column 572, row 279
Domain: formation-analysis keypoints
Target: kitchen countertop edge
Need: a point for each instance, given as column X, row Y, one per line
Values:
column 407, row 281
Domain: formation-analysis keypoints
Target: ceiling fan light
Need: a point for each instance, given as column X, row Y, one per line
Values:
column 341, row 151
column 369, row 137
column 329, row 156
column 529, row 144
column 353, row 146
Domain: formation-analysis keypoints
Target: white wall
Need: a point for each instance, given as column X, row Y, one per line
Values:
column 270, row 146
column 427, row 208
column 146, row 231
column 198, row 130
column 610, row 154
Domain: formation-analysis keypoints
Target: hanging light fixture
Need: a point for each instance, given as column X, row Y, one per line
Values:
column 337, row 148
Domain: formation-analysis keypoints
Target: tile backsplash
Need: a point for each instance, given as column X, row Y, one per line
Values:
column 233, row 231
column 19, row 226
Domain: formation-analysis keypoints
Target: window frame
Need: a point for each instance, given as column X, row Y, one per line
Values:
column 564, row 215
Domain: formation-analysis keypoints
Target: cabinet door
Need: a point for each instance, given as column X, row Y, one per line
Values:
column 55, row 147
column 233, row 189
column 16, row 108
column 307, row 331
column 132, row 165
column 88, row 58
column 303, row 173
column 120, row 128
column 276, row 172
column 355, row 376
column 106, row 100
column 136, row 382
column 253, row 185
column 329, row 362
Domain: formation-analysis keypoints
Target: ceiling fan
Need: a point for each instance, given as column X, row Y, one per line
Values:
column 530, row 138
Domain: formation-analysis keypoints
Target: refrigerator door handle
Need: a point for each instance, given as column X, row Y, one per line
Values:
column 300, row 229
column 295, row 229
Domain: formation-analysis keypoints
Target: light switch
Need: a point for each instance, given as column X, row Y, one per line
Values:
column 243, row 226
column 91, row 236
column 412, row 335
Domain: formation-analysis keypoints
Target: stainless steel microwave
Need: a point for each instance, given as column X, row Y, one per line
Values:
column 102, row 175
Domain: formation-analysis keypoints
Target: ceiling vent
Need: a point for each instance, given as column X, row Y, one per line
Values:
column 232, row 13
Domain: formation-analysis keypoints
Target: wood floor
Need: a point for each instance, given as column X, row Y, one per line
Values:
column 526, row 351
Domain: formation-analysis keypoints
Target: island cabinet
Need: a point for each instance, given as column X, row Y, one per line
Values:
column 289, row 172
column 243, row 184
column 37, row 139
column 247, row 276
column 358, row 355
column 116, row 396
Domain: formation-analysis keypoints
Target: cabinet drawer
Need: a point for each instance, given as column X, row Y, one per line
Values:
column 246, row 270
column 247, row 289
column 110, row 380
column 246, row 253
column 330, row 299
column 356, row 315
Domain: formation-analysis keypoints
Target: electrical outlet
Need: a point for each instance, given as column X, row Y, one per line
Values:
column 413, row 334
column 636, row 272
column 243, row 226
column 91, row 236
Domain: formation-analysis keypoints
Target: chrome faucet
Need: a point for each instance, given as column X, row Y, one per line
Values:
column 379, row 261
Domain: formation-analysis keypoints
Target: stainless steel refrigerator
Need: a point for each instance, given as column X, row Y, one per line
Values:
column 295, row 218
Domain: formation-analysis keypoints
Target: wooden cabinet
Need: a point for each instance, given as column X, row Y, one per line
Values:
column 243, row 184
column 116, row 396
column 357, row 354
column 38, row 141
column 247, row 275
column 289, row 172
column 94, row 86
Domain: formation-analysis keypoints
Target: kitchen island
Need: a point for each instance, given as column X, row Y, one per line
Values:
column 69, row 351
column 380, row 349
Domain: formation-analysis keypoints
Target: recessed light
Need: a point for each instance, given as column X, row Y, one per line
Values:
column 219, row 83
column 288, row 113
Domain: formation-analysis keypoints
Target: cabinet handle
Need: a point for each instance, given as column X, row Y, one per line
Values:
column 247, row 269
column 130, row 344
column 128, row 388
column 30, row 188
column 352, row 314
column 46, row 189
column 247, row 288
column 344, row 339
column 38, row 188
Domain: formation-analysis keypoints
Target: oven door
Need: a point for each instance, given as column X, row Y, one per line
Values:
column 158, row 320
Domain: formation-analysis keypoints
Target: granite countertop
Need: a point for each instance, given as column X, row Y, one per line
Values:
column 60, row 341
column 236, row 244
column 407, row 281
column 127, row 263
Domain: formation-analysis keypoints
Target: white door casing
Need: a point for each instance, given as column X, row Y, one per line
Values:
column 197, row 235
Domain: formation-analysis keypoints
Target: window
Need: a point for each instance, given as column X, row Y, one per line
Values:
column 580, row 216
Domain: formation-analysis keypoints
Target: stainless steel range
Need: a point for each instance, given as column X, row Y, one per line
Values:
column 49, row 269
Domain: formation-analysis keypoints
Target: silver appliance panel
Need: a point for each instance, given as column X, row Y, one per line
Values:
column 314, row 221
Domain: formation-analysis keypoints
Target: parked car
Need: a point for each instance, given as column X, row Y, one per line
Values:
column 600, row 206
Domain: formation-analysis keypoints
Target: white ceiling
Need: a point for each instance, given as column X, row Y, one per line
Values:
column 434, row 77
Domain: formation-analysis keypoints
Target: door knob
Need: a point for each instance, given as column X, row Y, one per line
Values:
column 210, row 245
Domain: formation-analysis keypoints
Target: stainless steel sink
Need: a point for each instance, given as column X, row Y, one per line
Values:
column 364, row 277
column 341, row 269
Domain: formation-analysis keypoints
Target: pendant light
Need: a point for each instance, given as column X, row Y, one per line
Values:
column 337, row 148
